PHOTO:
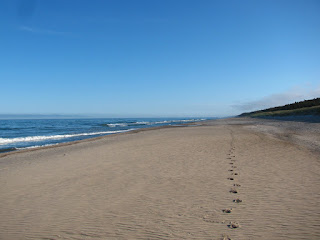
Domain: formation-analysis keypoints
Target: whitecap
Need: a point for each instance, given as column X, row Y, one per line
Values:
column 4, row 141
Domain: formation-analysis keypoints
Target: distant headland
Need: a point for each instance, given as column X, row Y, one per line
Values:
column 303, row 108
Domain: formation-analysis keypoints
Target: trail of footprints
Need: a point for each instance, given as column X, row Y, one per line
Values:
column 231, row 158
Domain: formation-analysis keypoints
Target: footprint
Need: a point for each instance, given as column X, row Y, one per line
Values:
column 227, row 210
column 233, row 166
column 231, row 163
column 234, row 225
column 235, row 173
column 237, row 200
column 232, row 190
column 237, row 185
column 230, row 170
column 230, row 178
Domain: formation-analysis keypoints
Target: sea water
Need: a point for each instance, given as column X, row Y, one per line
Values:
column 31, row 133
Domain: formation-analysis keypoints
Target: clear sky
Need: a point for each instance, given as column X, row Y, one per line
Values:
column 157, row 57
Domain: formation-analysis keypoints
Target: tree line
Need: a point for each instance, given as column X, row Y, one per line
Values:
column 292, row 106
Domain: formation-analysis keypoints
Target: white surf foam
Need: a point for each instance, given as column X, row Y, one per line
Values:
column 177, row 121
column 117, row 124
column 140, row 123
column 37, row 146
column 150, row 123
column 4, row 141
column 127, row 124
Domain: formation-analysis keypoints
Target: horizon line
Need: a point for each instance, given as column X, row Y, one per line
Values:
column 68, row 116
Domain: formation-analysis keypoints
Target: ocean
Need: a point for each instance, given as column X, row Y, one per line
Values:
column 32, row 133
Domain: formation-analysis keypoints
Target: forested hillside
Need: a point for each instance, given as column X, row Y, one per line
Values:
column 306, row 107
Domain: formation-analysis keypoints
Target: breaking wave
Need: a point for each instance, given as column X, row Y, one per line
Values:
column 4, row 141
column 149, row 123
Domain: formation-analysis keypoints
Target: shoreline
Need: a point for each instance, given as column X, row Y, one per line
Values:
column 3, row 154
column 79, row 129
column 223, row 178
column 293, row 120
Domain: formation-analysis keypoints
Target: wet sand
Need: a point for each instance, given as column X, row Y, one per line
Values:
column 232, row 178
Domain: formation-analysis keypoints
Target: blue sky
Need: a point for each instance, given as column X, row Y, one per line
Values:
column 157, row 58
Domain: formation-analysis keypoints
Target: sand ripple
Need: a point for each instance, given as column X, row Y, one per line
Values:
column 163, row 184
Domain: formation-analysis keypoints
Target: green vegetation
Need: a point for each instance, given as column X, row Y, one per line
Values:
column 306, row 107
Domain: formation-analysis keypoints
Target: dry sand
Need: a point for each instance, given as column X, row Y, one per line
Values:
column 169, row 183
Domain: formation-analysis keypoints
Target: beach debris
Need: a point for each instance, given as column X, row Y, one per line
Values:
column 232, row 190
column 234, row 225
column 230, row 178
column 227, row 210
column 237, row 200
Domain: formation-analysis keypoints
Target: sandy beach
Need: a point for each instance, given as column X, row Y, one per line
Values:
column 224, row 179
